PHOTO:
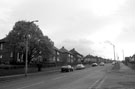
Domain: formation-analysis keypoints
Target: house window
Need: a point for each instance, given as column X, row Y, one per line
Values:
column 1, row 46
column 58, row 59
column 11, row 54
column 57, row 53
column 0, row 56
column 71, row 56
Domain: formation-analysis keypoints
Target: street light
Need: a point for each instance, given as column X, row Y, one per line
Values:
column 113, row 47
column 26, row 45
column 34, row 21
column 123, row 54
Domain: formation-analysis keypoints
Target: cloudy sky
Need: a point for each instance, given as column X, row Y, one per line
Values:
column 86, row 25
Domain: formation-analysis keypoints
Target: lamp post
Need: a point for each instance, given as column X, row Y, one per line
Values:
column 26, row 46
column 26, row 59
column 123, row 54
column 113, row 48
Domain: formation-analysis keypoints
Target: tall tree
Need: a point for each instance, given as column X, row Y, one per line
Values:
column 38, row 44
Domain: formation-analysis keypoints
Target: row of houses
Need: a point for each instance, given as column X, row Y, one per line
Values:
column 95, row 59
column 61, row 55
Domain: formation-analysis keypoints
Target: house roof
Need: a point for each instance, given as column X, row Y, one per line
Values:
column 89, row 56
column 63, row 50
column 73, row 51
column 3, row 40
column 55, row 48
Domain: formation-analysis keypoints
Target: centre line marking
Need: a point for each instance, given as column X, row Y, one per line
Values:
column 58, row 77
column 94, row 84
column 99, row 85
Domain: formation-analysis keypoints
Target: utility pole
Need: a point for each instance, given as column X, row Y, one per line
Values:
column 26, row 46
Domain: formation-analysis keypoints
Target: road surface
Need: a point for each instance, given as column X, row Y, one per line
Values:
column 88, row 78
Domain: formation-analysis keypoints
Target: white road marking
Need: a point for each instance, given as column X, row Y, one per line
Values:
column 99, row 85
column 58, row 77
column 99, row 82
column 31, row 85
column 94, row 84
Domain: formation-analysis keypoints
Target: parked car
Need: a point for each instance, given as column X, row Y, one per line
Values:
column 102, row 64
column 80, row 66
column 94, row 64
column 113, row 63
column 67, row 68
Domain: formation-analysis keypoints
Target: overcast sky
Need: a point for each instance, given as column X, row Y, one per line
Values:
column 85, row 25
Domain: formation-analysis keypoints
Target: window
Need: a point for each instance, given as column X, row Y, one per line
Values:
column 57, row 53
column 11, row 54
column 0, row 56
column 1, row 46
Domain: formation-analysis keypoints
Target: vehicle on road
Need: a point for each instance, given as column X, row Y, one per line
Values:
column 113, row 63
column 80, row 66
column 102, row 64
column 67, row 68
column 94, row 64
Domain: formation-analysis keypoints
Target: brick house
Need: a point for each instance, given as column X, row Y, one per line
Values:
column 77, row 57
column 9, row 55
column 66, row 57
column 6, row 54
column 55, row 58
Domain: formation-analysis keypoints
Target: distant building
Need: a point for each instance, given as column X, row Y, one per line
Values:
column 91, row 59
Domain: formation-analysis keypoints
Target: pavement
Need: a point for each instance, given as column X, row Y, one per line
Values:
column 123, row 78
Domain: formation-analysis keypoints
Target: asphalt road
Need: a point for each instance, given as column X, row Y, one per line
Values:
column 88, row 78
